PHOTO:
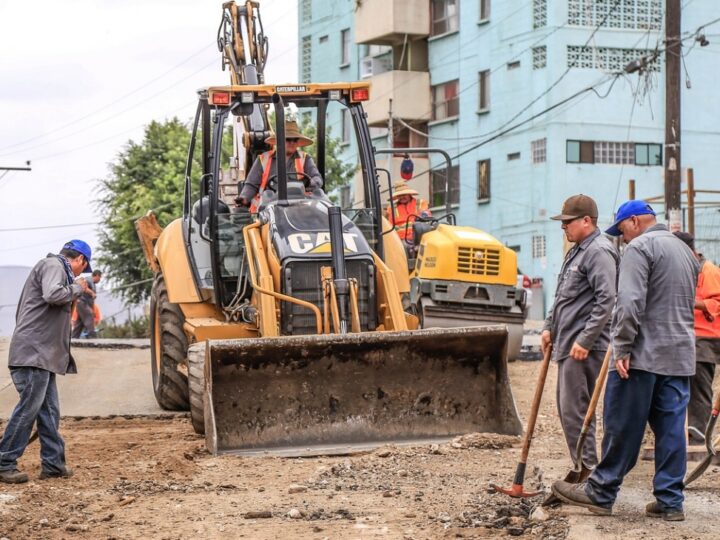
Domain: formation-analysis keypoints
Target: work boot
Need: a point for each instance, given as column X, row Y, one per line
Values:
column 575, row 494
column 13, row 476
column 66, row 472
column 573, row 477
column 655, row 509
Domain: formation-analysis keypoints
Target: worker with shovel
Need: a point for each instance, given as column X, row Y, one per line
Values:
column 707, row 342
column 577, row 326
column 653, row 342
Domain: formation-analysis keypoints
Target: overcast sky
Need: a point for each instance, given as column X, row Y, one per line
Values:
column 79, row 79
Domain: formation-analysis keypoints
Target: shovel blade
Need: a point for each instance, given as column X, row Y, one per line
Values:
column 699, row 470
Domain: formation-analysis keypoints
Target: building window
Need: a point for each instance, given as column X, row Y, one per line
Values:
column 484, row 90
column 306, row 59
column 484, row 180
column 648, row 154
column 437, row 186
column 306, row 10
column 627, row 14
column 514, row 156
column 446, row 103
column 346, row 125
column 580, row 152
column 484, row 10
column 538, row 149
column 614, row 153
column 539, row 248
column 444, row 17
column 539, row 55
column 513, row 65
column 323, row 39
column 606, row 58
column 345, row 47
column 539, row 13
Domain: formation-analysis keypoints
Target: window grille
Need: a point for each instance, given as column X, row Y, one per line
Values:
column 539, row 248
column 615, row 153
column 539, row 13
column 628, row 14
column 539, row 56
column 306, row 58
column 606, row 58
column 539, row 150
column 306, row 10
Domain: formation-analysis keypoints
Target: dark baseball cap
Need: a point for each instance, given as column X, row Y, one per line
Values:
column 629, row 209
column 83, row 248
column 577, row 206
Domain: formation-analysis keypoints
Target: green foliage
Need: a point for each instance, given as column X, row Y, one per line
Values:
column 337, row 172
column 132, row 328
column 144, row 176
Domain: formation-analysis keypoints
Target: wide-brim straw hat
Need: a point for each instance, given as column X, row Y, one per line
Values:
column 292, row 131
column 401, row 188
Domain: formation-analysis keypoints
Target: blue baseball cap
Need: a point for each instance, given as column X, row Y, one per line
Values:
column 629, row 209
column 83, row 248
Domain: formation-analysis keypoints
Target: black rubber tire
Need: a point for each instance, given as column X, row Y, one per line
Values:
column 169, row 343
column 196, row 385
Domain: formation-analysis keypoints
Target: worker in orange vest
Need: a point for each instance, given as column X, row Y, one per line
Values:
column 406, row 204
column 300, row 166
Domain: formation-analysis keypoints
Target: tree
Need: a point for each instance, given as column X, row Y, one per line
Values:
column 145, row 176
column 337, row 172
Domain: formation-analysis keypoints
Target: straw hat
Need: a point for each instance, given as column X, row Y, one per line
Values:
column 292, row 131
column 401, row 188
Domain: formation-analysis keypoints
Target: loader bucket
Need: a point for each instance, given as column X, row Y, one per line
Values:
column 335, row 394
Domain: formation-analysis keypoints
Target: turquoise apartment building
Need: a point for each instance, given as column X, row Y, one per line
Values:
column 458, row 73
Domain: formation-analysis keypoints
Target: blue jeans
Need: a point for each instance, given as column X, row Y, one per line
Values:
column 38, row 401
column 630, row 404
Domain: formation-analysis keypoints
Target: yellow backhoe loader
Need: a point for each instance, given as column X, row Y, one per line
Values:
column 283, row 330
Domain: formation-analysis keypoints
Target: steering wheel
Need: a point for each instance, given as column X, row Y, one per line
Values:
column 272, row 181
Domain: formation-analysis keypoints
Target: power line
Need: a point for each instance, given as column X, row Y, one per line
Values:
column 104, row 107
column 68, row 225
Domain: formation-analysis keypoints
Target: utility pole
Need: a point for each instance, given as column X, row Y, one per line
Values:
column 673, row 58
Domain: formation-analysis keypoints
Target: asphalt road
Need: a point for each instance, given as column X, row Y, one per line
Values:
column 109, row 382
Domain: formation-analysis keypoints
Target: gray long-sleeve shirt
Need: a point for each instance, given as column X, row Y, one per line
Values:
column 584, row 297
column 252, row 182
column 653, row 321
column 42, row 328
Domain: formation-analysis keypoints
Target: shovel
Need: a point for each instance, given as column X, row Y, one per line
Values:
column 517, row 490
column 709, row 443
column 576, row 475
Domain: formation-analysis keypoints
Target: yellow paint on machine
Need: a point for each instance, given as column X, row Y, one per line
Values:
column 465, row 254
column 170, row 252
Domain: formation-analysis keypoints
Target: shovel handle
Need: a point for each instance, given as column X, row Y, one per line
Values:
column 539, row 386
column 590, row 414
column 711, row 424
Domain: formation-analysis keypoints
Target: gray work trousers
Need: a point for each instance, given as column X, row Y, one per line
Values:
column 85, row 321
column 707, row 353
column 575, row 385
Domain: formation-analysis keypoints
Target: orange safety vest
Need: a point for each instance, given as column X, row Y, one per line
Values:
column 405, row 213
column 266, row 159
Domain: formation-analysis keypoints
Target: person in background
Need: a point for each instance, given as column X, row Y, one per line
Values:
column 707, row 342
column 39, row 350
column 578, row 325
column 86, row 309
column 406, row 204
column 653, row 343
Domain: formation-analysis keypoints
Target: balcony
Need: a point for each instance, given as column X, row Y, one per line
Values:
column 410, row 92
column 386, row 22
